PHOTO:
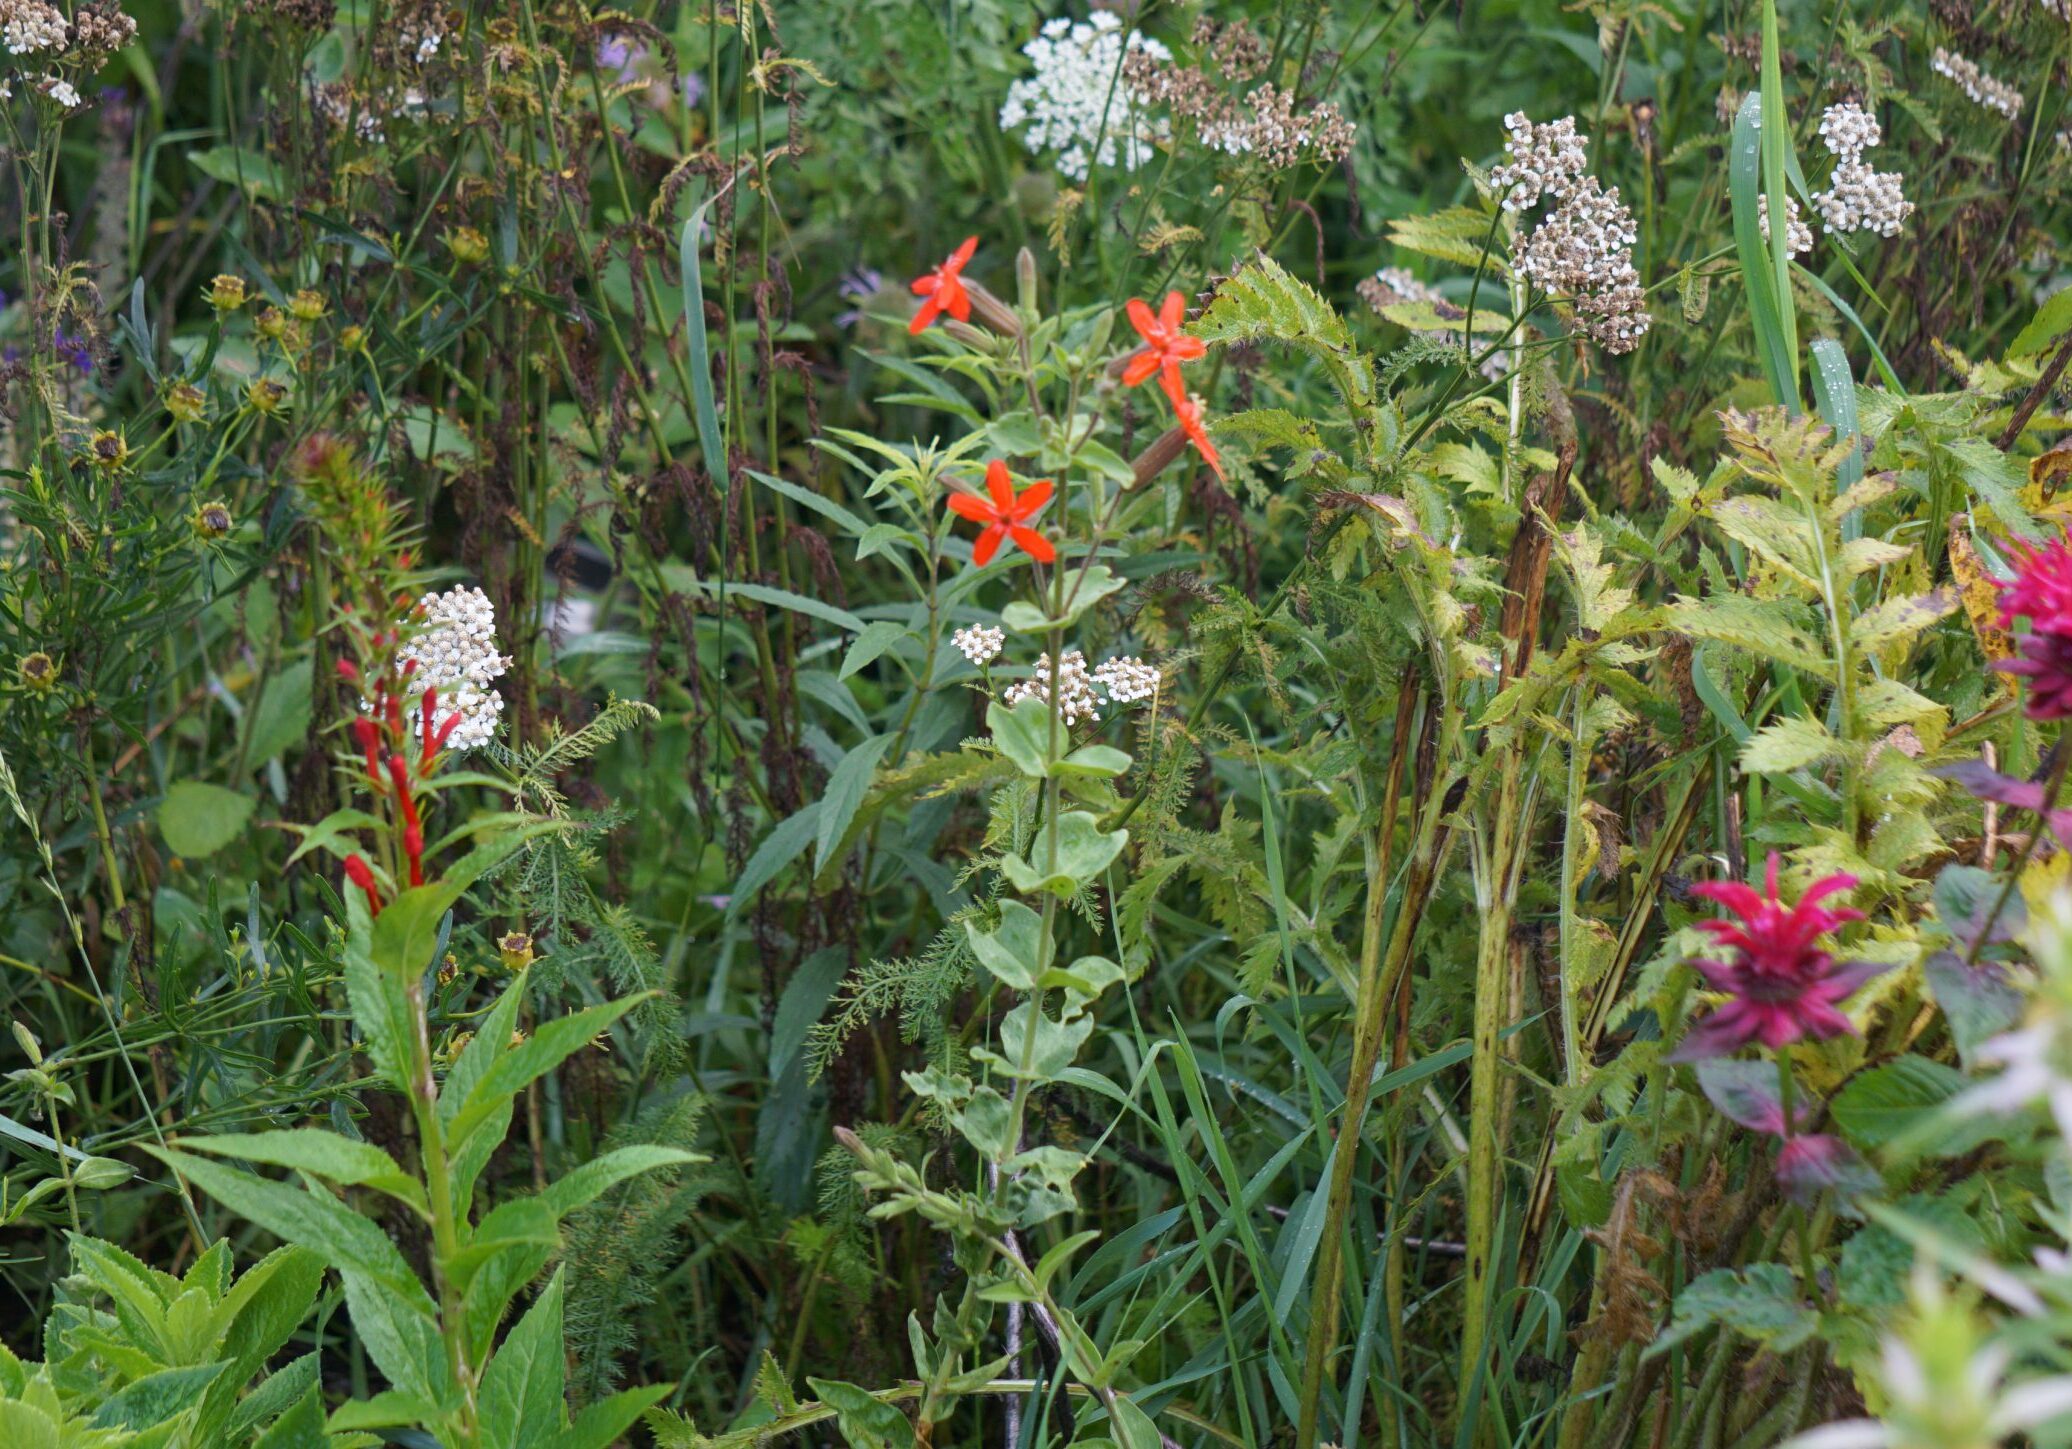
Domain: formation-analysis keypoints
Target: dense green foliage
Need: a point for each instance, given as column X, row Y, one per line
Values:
column 621, row 830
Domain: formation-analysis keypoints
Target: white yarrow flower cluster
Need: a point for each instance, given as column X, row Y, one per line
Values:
column 1127, row 678
column 1583, row 249
column 1546, row 160
column 1858, row 198
column 1075, row 103
column 456, row 653
column 1984, row 90
column 1077, row 698
column 980, row 643
column 1849, row 130
column 1124, row 679
column 1798, row 236
column 30, row 26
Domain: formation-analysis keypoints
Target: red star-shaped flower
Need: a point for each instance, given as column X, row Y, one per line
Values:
column 1005, row 514
column 944, row 289
column 1784, row 988
column 1165, row 345
column 1189, row 412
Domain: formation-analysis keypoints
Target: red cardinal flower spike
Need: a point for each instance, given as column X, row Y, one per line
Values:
column 1005, row 514
column 1783, row 987
column 944, row 289
column 1165, row 345
column 1188, row 411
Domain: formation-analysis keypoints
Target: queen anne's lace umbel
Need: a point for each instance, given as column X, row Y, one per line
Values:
column 1075, row 103
column 456, row 653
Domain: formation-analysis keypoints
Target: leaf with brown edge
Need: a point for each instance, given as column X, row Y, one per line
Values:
column 1980, row 593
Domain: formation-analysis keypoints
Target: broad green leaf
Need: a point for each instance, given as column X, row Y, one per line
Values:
column 1762, row 1303
column 877, row 636
column 1021, row 732
column 157, row 1398
column 1084, row 850
column 601, row 1173
column 326, row 1154
column 1047, row 1045
column 783, row 845
column 1015, row 951
column 600, row 1425
column 521, row 1399
column 866, row 1422
column 302, row 1427
column 553, row 1043
column 846, row 787
column 199, row 819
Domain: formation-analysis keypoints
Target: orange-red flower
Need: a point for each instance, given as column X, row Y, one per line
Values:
column 944, row 289
column 1006, row 514
column 1165, row 345
column 1188, row 411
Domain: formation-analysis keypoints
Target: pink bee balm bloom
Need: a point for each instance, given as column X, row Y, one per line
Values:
column 944, row 289
column 1784, row 988
column 2041, row 592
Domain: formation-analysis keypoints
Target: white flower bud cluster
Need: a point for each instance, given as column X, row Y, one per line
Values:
column 1124, row 679
column 1583, row 249
column 1849, row 130
column 1798, row 236
column 1859, row 198
column 980, row 644
column 29, row 26
column 1127, row 678
column 1077, row 698
column 1546, row 160
column 1984, row 90
column 455, row 650
column 1073, row 104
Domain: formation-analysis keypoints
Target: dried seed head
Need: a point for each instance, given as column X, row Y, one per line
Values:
column 226, row 293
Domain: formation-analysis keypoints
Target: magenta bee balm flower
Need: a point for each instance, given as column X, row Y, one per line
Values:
column 1784, row 987
column 2041, row 592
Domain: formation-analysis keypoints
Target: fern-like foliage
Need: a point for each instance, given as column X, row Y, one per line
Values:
column 1263, row 303
column 622, row 1244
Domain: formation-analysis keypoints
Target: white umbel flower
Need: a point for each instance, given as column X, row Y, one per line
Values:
column 1798, row 236
column 980, row 643
column 1076, row 697
column 1127, row 678
column 1982, row 88
column 30, row 26
column 1545, row 160
column 456, row 653
column 64, row 94
column 1076, row 104
column 1860, row 199
column 1849, row 130
column 1583, row 250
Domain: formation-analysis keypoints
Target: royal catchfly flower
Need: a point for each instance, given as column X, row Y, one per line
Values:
column 1165, row 347
column 1188, row 411
column 2041, row 592
column 944, row 289
column 1005, row 514
column 1783, row 987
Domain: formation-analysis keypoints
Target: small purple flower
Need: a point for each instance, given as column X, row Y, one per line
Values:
column 858, row 285
column 622, row 57
column 693, row 90
column 72, row 347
